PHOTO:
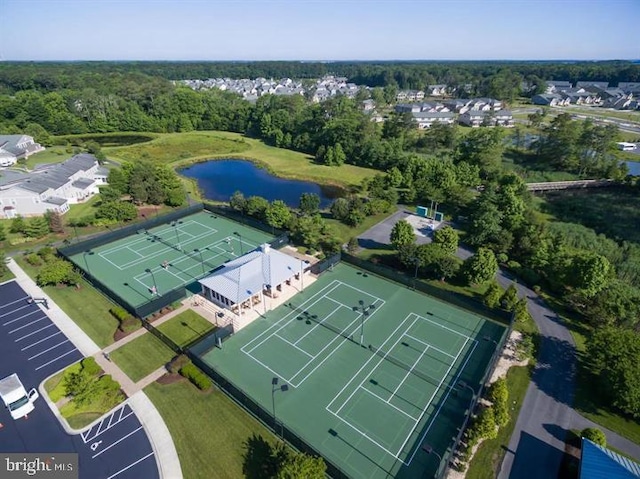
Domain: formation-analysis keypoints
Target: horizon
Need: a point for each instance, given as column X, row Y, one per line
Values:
column 319, row 31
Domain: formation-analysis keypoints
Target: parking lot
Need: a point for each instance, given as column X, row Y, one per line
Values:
column 32, row 346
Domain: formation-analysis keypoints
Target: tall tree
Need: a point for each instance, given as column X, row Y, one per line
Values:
column 309, row 203
column 481, row 267
column 447, row 238
column 278, row 214
column 402, row 234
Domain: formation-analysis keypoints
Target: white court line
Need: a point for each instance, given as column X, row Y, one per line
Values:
column 364, row 435
column 432, row 396
column 335, row 349
column 47, row 350
column 430, row 345
column 98, row 432
column 292, row 344
column 375, row 367
column 282, row 323
column 28, row 324
column 23, row 316
column 365, row 365
column 35, row 332
column 317, row 325
column 130, row 466
column 387, row 402
column 442, row 403
column 54, row 360
column 24, row 298
column 408, row 372
column 38, row 342
column 14, row 310
column 116, row 443
column 443, row 327
column 134, row 251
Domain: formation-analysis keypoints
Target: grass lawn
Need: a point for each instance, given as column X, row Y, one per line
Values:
column 180, row 149
column 209, row 430
column 85, row 306
column 487, row 459
column 80, row 210
column 6, row 276
column 185, row 327
column 142, row 356
column 345, row 232
column 52, row 154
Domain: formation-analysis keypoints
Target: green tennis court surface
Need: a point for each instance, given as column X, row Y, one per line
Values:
column 152, row 262
column 373, row 370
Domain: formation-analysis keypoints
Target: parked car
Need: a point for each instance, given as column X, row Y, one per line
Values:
column 15, row 396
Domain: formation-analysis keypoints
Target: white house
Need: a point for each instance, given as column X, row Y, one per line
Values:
column 476, row 118
column 54, row 187
column 7, row 158
column 21, row 146
column 549, row 99
column 425, row 119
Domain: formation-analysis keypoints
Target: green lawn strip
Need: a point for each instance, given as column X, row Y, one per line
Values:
column 81, row 416
column 6, row 276
column 85, row 306
column 209, row 430
column 489, row 455
column 185, row 327
column 345, row 232
column 141, row 356
column 52, row 154
column 55, row 386
column 80, row 210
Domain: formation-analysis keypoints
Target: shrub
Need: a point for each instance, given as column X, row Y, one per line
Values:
column 119, row 313
column 594, row 435
column 129, row 324
column 33, row 259
column 197, row 377
column 90, row 367
column 46, row 252
column 178, row 363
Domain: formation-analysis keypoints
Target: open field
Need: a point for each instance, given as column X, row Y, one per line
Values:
column 373, row 370
column 185, row 327
column 52, row 154
column 179, row 149
column 210, row 432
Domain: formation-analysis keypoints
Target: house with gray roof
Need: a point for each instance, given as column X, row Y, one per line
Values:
column 554, row 86
column 53, row 187
column 476, row 118
column 242, row 284
column 20, row 146
column 549, row 99
column 425, row 119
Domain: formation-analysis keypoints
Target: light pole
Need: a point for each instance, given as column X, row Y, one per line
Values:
column 86, row 263
column 175, row 225
column 153, row 277
column 364, row 312
column 487, row 338
column 416, row 260
column 274, row 387
column 197, row 250
column 463, row 384
column 240, row 237
column 75, row 229
column 429, row 450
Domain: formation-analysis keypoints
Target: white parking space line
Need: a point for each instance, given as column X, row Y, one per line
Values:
column 14, row 310
column 47, row 350
column 55, row 359
column 42, row 340
column 27, row 325
column 34, row 332
column 24, row 298
column 88, row 437
column 116, row 442
column 130, row 465
column 23, row 316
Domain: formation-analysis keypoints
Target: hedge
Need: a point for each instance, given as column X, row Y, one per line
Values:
column 197, row 377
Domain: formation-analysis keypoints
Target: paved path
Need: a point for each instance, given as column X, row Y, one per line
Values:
column 155, row 428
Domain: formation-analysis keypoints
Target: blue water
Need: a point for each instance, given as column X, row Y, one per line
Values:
column 634, row 167
column 219, row 179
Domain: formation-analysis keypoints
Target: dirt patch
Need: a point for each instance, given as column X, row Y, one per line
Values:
column 169, row 378
column 147, row 212
column 119, row 334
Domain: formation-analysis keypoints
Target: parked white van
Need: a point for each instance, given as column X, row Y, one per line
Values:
column 16, row 398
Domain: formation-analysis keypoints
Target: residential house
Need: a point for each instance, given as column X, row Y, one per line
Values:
column 7, row 158
column 580, row 96
column 418, row 107
column 476, row 118
column 554, row 86
column 410, row 95
column 549, row 99
column 630, row 87
column 459, row 105
column 586, row 84
column 425, row 119
column 54, row 187
column 21, row 146
column 437, row 90
column 368, row 105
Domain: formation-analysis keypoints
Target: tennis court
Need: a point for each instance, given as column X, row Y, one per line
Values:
column 373, row 371
column 152, row 262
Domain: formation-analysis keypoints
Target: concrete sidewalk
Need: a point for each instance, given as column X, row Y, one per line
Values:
column 155, row 428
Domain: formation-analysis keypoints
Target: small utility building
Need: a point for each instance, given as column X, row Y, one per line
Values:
column 246, row 280
column 598, row 462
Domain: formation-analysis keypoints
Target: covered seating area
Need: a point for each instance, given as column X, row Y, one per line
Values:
column 245, row 283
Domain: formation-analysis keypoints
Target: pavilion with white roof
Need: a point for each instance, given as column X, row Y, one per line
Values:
column 246, row 280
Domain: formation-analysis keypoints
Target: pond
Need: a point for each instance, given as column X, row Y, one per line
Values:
column 219, row 179
column 634, row 167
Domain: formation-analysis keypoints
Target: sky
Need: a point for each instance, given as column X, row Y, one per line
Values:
column 319, row 29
